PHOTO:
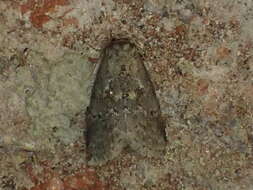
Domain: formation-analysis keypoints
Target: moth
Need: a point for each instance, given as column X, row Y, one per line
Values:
column 124, row 112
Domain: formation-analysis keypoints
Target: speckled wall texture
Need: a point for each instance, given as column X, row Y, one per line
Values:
column 198, row 54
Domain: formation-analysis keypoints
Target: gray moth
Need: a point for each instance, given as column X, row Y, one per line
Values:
column 124, row 112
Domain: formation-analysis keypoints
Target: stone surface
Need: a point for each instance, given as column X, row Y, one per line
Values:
column 199, row 58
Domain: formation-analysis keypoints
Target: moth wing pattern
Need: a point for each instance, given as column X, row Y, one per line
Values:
column 124, row 111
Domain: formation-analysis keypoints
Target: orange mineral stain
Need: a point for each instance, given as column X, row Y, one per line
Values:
column 39, row 10
column 84, row 179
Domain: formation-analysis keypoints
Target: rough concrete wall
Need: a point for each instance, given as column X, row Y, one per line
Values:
column 199, row 56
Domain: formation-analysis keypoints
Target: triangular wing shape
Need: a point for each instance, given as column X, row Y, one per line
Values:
column 124, row 110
